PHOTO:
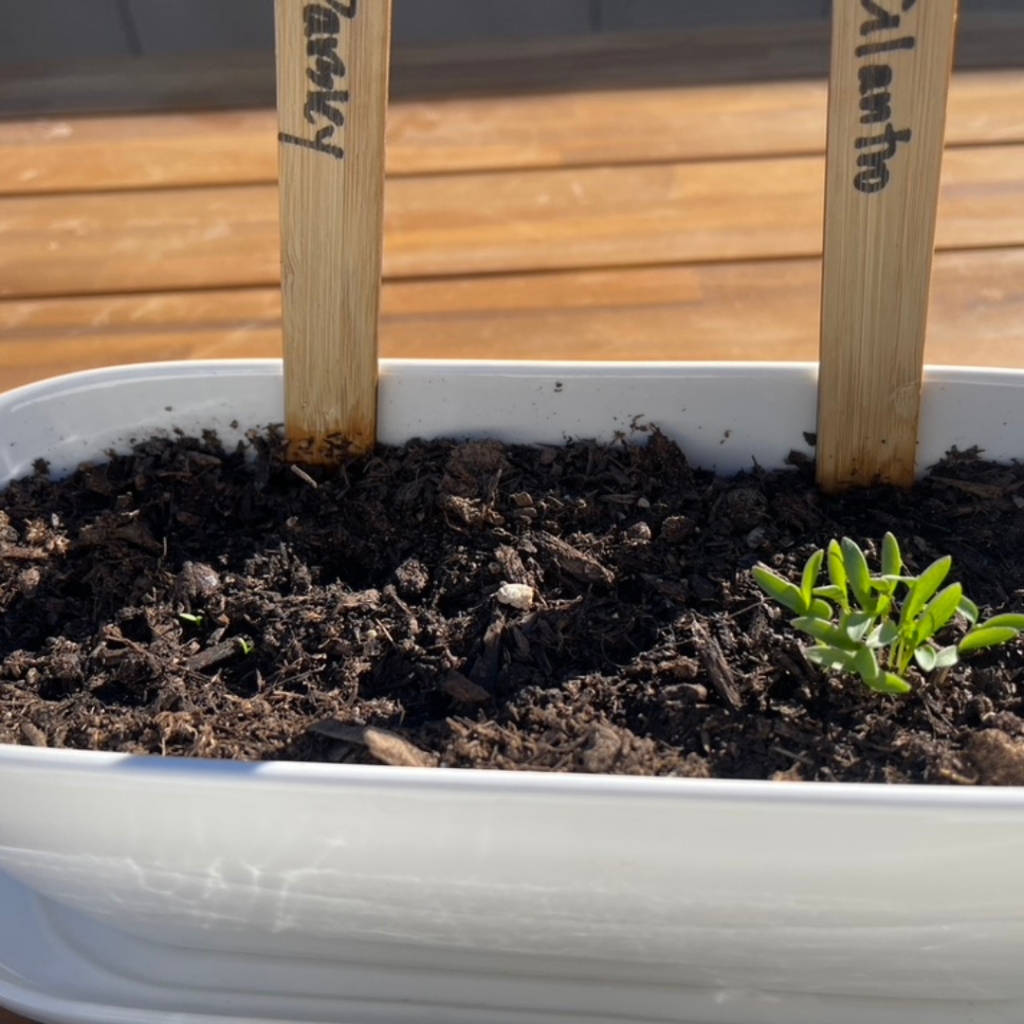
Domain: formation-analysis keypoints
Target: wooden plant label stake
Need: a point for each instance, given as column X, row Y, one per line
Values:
column 332, row 75
column 891, row 63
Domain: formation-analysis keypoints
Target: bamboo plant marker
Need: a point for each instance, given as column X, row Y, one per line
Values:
column 891, row 63
column 332, row 72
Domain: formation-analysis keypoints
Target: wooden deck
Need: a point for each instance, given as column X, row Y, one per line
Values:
column 646, row 197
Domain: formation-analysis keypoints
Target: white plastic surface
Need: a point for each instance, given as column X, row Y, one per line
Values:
column 352, row 893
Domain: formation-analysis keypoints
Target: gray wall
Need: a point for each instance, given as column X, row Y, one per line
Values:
column 56, row 30
column 53, row 30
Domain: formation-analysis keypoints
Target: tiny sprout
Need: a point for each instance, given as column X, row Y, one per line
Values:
column 246, row 646
column 873, row 633
column 192, row 620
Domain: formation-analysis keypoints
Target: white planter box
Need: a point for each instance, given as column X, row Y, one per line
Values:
column 148, row 890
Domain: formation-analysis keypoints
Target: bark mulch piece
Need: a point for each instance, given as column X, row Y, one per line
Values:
column 577, row 608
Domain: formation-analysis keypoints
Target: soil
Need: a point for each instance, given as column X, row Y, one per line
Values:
column 577, row 608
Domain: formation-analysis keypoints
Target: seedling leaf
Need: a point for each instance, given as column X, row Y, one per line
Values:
column 865, row 664
column 810, row 576
column 922, row 589
column 937, row 613
column 986, row 636
column 829, row 657
column 856, row 625
column 825, row 632
column 889, row 682
column 882, row 635
column 779, row 589
column 947, row 657
column 892, row 560
column 837, row 574
column 857, row 573
column 925, row 658
column 1011, row 620
column 969, row 610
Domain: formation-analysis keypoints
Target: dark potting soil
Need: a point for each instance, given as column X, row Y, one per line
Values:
column 186, row 601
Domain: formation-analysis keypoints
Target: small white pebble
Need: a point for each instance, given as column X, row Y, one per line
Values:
column 1018, row 501
column 638, row 533
column 29, row 580
column 643, row 503
column 516, row 595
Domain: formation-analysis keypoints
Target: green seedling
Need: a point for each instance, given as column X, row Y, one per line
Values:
column 192, row 620
column 874, row 626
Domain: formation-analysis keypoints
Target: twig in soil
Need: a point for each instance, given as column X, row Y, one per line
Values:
column 955, row 777
column 464, row 690
column 940, row 723
column 25, row 554
column 793, row 667
column 217, row 654
column 385, row 632
column 579, row 564
column 386, row 747
column 715, row 665
column 977, row 490
column 304, row 476
column 800, row 758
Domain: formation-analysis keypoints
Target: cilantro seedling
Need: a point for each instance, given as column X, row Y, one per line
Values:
column 875, row 625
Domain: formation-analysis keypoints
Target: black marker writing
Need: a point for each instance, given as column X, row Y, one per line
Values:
column 327, row 74
column 883, row 19
column 875, row 98
column 875, row 175
column 875, row 81
column 886, row 46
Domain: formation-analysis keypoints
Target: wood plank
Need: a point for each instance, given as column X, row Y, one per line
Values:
column 429, row 73
column 462, row 135
column 665, row 124
column 758, row 311
column 645, row 60
column 448, row 21
column 601, row 217
column 139, row 241
column 138, row 152
column 484, row 223
column 634, row 15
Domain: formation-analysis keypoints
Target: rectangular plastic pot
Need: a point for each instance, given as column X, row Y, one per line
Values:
column 149, row 890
